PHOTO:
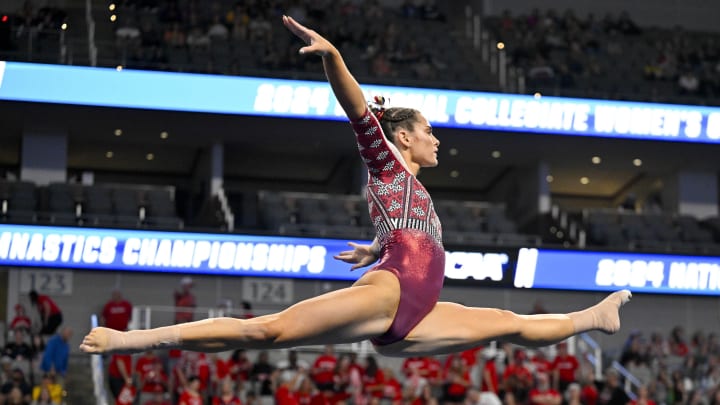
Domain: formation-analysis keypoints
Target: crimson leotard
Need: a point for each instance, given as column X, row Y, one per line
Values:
column 408, row 229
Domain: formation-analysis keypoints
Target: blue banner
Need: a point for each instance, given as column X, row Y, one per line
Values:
column 306, row 99
column 608, row 271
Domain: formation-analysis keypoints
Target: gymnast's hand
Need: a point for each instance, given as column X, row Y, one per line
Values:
column 316, row 44
column 361, row 255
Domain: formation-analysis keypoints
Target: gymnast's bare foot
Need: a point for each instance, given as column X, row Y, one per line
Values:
column 607, row 311
column 98, row 340
column 603, row 316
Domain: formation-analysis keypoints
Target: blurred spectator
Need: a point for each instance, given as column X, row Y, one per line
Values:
column 489, row 380
column 127, row 394
column 18, row 382
column 175, row 36
column 48, row 384
column 117, row 312
column 564, row 367
column 197, row 39
column 373, row 379
column 119, row 373
column 50, row 314
column 688, row 82
column 573, row 395
column 543, row 393
column 152, row 378
column 57, row 352
column 612, row 392
column 19, row 350
column 192, row 364
column 239, row 366
column 457, row 381
column 227, row 395
column 185, row 301
column 392, row 390
column 322, row 369
column 218, row 30
column 45, row 398
column 261, row 377
column 643, row 397
column 21, row 321
column 291, row 366
column 191, row 392
column 16, row 397
column 247, row 311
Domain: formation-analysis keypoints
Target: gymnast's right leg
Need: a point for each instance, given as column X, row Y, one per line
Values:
column 352, row 314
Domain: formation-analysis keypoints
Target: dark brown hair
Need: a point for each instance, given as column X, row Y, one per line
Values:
column 393, row 118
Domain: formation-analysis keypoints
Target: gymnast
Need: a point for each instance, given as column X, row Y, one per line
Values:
column 395, row 303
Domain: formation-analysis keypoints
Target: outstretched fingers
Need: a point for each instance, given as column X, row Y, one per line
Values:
column 315, row 43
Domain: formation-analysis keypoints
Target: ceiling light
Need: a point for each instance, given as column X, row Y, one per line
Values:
column 637, row 162
column 164, row 135
column 150, row 156
column 454, row 174
column 118, row 132
column 549, row 178
column 63, row 26
column 596, row 160
column 496, row 154
column 111, row 7
column 584, row 180
column 109, row 154
column 119, row 68
column 500, row 45
column 113, row 18
column 537, row 95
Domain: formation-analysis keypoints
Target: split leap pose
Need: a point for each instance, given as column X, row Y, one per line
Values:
column 395, row 303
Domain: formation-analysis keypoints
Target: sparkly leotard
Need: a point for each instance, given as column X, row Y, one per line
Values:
column 408, row 229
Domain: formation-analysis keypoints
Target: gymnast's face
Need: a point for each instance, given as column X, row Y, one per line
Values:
column 421, row 143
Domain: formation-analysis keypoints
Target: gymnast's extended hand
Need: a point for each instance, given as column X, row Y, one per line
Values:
column 360, row 256
column 316, row 44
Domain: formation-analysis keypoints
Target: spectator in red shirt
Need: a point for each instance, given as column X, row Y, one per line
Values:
column 643, row 397
column 411, row 364
column 117, row 312
column 322, row 370
column 50, row 314
column 543, row 394
column 589, row 392
column 540, row 362
column 564, row 367
column 185, row 301
column 457, row 382
column 392, row 389
column 21, row 321
column 373, row 380
column 239, row 366
column 516, row 370
column 151, row 375
column 227, row 394
column 191, row 392
column 490, row 380
column 119, row 373
column 126, row 395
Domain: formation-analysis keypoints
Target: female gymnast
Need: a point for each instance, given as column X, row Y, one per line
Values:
column 395, row 303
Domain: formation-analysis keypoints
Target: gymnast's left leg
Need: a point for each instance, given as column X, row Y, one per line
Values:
column 452, row 327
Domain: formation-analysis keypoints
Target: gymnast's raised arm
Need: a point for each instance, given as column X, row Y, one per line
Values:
column 346, row 89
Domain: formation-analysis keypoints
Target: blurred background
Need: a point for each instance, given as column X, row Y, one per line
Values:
column 496, row 190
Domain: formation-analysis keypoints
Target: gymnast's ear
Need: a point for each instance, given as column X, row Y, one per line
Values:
column 403, row 137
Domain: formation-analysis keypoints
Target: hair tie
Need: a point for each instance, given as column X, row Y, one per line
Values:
column 379, row 104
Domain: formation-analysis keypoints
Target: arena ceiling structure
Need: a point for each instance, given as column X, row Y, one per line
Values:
column 322, row 153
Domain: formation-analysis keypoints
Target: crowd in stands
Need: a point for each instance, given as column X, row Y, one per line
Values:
column 241, row 37
column 672, row 371
column 34, row 359
column 563, row 52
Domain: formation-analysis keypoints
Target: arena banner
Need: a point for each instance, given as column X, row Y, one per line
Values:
column 126, row 88
column 609, row 271
column 312, row 258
